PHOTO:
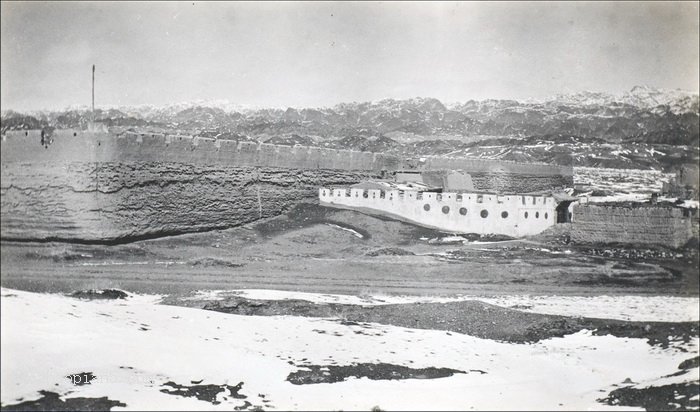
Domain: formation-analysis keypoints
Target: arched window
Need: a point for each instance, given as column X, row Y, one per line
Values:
column 426, row 207
column 484, row 213
column 546, row 215
column 445, row 209
column 526, row 215
column 537, row 215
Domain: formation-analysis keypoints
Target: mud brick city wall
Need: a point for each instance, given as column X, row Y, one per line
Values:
column 100, row 187
column 667, row 226
column 129, row 200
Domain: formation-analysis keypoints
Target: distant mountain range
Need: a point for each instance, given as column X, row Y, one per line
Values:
column 642, row 116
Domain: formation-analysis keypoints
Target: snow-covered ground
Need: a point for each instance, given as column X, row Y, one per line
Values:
column 133, row 346
column 621, row 181
column 624, row 185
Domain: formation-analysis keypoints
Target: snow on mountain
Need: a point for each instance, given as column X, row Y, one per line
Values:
column 642, row 116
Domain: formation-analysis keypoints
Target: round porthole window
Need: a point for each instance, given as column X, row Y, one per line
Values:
column 526, row 215
column 445, row 209
column 462, row 211
column 426, row 207
column 537, row 215
column 365, row 195
column 484, row 213
column 504, row 214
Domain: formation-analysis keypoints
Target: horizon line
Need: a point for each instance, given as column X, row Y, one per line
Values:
column 214, row 102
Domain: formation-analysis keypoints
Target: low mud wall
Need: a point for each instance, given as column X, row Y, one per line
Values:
column 632, row 224
column 98, row 187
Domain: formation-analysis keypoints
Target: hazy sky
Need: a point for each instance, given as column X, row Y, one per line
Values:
column 320, row 54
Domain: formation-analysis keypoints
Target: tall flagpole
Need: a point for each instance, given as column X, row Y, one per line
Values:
column 93, row 95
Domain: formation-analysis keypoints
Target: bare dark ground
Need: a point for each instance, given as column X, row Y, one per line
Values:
column 472, row 318
column 679, row 396
column 50, row 401
column 657, row 398
column 310, row 374
column 100, row 294
column 210, row 393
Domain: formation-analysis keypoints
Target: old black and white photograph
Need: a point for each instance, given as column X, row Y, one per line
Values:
column 352, row 205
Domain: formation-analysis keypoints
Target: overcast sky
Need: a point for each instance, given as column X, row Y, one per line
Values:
column 320, row 54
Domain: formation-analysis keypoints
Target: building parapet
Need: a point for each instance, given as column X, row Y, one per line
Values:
column 511, row 215
column 413, row 195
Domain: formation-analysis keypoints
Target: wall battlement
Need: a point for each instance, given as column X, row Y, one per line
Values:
column 74, row 145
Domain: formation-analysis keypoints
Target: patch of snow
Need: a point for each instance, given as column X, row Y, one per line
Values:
column 347, row 229
column 448, row 240
column 653, row 151
column 106, row 263
column 620, row 197
column 630, row 308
